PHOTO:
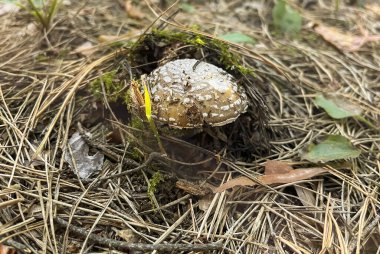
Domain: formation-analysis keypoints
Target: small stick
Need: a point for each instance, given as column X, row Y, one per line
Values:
column 125, row 246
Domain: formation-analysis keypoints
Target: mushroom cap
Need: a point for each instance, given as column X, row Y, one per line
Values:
column 187, row 93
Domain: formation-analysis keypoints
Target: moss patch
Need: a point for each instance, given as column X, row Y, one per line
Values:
column 111, row 86
column 153, row 184
column 156, row 46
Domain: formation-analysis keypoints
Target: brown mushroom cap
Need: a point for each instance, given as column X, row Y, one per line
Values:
column 187, row 93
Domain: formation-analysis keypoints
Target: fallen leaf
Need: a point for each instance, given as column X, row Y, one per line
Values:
column 78, row 157
column 292, row 176
column 133, row 11
column 345, row 42
column 337, row 106
column 239, row 181
column 237, row 38
column 205, row 202
column 277, row 167
column 285, row 18
column 85, row 49
column 276, row 172
column 334, row 147
column 306, row 196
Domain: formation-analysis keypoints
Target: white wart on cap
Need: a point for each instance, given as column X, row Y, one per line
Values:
column 187, row 94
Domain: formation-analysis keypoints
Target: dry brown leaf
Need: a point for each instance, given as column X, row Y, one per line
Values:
column 292, row 176
column 133, row 11
column 276, row 172
column 205, row 202
column 239, row 181
column 306, row 196
column 277, row 167
column 344, row 41
column 375, row 8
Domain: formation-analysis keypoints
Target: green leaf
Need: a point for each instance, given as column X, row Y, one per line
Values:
column 187, row 8
column 334, row 147
column 285, row 18
column 336, row 106
column 237, row 38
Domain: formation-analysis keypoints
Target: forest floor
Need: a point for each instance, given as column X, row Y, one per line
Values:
column 312, row 73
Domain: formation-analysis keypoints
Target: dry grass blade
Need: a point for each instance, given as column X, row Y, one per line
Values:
column 73, row 87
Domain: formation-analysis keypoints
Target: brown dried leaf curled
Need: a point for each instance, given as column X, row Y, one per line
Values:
column 276, row 172
column 345, row 42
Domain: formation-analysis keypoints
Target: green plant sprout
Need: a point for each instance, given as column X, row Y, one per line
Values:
column 43, row 11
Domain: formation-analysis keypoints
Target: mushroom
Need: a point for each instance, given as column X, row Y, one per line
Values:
column 188, row 93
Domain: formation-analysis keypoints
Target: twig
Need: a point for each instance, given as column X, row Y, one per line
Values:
column 125, row 246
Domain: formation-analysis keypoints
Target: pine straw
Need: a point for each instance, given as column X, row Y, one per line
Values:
column 43, row 97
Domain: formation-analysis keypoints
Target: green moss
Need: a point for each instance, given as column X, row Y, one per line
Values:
column 112, row 88
column 137, row 123
column 127, row 99
column 136, row 154
column 230, row 60
column 171, row 36
column 226, row 57
column 153, row 184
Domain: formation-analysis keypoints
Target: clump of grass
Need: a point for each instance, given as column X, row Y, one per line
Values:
column 43, row 11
